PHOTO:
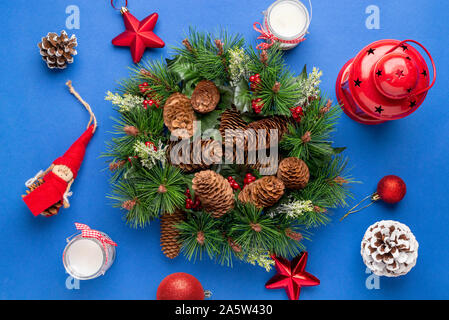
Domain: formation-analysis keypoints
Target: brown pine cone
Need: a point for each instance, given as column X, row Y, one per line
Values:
column 205, row 97
column 231, row 120
column 276, row 122
column 294, row 173
column 170, row 244
column 264, row 192
column 58, row 51
column 179, row 116
column 214, row 192
column 211, row 152
column 50, row 211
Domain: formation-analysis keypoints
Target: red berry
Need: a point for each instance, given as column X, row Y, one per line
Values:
column 252, row 78
column 197, row 203
column 145, row 84
column 150, row 144
column 257, row 76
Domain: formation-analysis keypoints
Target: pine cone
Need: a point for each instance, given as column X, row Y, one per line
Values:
column 211, row 152
column 179, row 114
column 294, row 173
column 205, row 97
column 170, row 244
column 231, row 120
column 214, row 192
column 51, row 211
column 58, row 51
column 264, row 192
column 276, row 122
column 389, row 248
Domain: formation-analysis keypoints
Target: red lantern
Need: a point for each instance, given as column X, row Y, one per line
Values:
column 387, row 80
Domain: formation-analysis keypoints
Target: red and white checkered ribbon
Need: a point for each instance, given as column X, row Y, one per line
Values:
column 87, row 232
column 267, row 35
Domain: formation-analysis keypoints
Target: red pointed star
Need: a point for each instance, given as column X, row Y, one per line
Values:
column 138, row 35
column 291, row 276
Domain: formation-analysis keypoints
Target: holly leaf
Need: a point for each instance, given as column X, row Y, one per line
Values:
column 209, row 120
column 184, row 70
column 226, row 96
column 242, row 97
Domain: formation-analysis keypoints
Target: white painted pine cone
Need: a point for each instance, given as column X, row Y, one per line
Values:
column 389, row 248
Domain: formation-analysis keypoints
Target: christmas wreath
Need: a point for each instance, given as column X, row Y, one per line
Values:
column 171, row 158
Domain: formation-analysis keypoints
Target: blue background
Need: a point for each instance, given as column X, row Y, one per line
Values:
column 40, row 119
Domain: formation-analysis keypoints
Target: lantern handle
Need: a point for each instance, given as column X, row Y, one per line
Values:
column 431, row 60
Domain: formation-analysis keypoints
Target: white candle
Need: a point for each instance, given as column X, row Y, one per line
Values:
column 85, row 258
column 287, row 20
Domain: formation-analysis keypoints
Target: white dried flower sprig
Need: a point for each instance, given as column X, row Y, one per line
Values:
column 238, row 64
column 148, row 156
column 310, row 87
column 261, row 258
column 296, row 208
column 293, row 209
column 125, row 102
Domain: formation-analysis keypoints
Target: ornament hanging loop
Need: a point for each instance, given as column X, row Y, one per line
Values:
column 374, row 197
column 113, row 5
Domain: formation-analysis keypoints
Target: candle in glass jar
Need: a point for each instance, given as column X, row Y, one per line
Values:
column 88, row 254
column 85, row 257
column 288, row 21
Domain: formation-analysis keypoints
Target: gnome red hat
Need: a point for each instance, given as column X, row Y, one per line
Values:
column 75, row 154
column 49, row 190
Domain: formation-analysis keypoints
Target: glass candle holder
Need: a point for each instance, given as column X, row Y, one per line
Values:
column 86, row 258
column 287, row 21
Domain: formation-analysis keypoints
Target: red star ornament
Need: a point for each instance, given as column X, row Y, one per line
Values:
column 138, row 34
column 291, row 276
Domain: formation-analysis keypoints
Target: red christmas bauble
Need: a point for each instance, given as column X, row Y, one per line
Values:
column 391, row 189
column 180, row 286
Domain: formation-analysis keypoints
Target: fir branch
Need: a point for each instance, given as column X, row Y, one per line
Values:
column 199, row 235
column 310, row 139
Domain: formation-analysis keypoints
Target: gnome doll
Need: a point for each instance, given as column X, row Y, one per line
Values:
column 49, row 190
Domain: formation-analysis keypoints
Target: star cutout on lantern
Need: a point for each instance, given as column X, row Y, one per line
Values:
column 291, row 276
column 404, row 47
column 370, row 51
column 412, row 103
column 400, row 73
column 408, row 58
column 357, row 82
column 409, row 90
column 379, row 109
column 138, row 34
column 379, row 73
column 424, row 73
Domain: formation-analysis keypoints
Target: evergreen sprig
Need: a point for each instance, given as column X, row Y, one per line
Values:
column 200, row 235
column 310, row 139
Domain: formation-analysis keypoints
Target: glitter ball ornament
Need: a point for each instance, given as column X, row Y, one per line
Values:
column 390, row 189
column 180, row 286
column 389, row 248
